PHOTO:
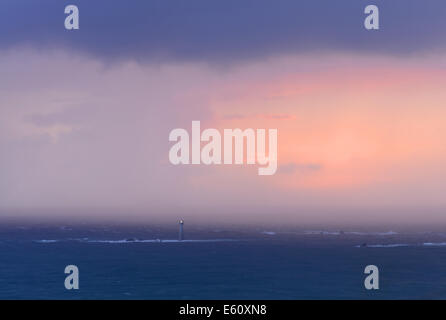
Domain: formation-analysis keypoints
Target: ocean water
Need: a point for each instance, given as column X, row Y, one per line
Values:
column 148, row 262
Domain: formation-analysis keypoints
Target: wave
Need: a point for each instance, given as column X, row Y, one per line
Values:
column 395, row 245
column 322, row 232
column 128, row 241
column 434, row 244
column 157, row 241
column 338, row 233
column 387, row 233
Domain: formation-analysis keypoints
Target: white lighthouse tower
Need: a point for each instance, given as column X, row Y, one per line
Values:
column 181, row 234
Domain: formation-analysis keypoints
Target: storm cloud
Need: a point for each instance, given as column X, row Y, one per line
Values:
column 223, row 31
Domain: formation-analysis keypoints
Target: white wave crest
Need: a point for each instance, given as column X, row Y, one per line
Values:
column 434, row 244
column 128, row 241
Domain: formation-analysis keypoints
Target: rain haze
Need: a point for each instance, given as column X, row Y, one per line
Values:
column 85, row 115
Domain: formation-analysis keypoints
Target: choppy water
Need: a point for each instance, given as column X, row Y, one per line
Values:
column 148, row 262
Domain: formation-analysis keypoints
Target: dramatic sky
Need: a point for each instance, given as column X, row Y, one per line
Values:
column 85, row 115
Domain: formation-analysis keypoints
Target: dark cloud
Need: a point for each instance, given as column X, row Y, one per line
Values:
column 223, row 31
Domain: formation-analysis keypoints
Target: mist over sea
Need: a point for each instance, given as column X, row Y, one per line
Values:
column 148, row 262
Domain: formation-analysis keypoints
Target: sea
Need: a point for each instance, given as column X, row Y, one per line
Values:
column 150, row 262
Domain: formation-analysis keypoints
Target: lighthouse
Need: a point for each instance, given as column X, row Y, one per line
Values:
column 181, row 235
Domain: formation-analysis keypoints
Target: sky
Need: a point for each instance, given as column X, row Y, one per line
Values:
column 85, row 115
